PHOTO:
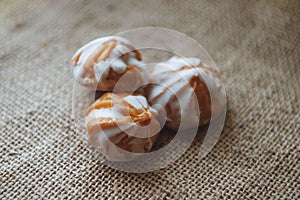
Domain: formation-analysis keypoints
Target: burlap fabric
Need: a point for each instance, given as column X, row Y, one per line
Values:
column 255, row 43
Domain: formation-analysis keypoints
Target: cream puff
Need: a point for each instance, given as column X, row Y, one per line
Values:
column 122, row 126
column 102, row 62
column 188, row 90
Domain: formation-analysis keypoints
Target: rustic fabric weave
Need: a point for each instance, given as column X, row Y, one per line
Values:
column 256, row 45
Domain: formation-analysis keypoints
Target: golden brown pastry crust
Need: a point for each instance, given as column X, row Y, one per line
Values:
column 132, row 116
column 198, row 76
column 110, row 58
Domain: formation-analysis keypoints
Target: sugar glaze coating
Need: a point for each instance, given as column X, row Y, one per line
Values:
column 122, row 125
column 194, row 83
column 100, row 63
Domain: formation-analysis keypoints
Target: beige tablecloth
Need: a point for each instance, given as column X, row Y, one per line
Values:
column 255, row 44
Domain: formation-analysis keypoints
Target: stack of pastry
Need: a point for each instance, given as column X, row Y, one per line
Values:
column 125, row 125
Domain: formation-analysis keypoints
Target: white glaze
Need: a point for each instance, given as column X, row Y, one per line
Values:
column 100, row 137
column 101, row 69
column 169, row 75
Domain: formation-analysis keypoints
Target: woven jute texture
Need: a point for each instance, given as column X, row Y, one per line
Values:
column 256, row 45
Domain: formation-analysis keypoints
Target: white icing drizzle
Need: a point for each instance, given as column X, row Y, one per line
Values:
column 174, row 80
column 100, row 137
column 101, row 68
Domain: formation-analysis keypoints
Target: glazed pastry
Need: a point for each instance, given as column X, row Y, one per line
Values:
column 122, row 125
column 186, row 81
column 100, row 63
